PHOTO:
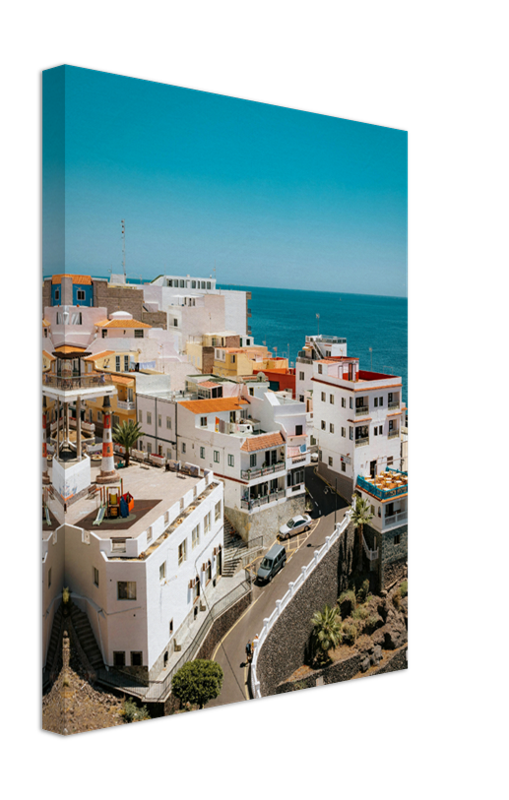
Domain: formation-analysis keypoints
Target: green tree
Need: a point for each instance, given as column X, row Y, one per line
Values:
column 126, row 435
column 197, row 682
column 326, row 633
column 361, row 515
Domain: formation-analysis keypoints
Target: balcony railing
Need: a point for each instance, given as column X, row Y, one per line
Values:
column 80, row 382
column 127, row 405
column 393, row 433
column 361, row 410
column 382, row 494
column 262, row 501
column 394, row 404
column 398, row 516
column 361, row 442
column 251, row 474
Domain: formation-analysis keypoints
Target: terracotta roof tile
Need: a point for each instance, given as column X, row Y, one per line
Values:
column 83, row 279
column 68, row 348
column 216, row 404
column 262, row 442
column 102, row 354
column 46, row 323
column 122, row 323
column 209, row 384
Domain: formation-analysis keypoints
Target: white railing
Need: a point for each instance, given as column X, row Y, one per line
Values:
column 127, row 405
column 371, row 555
column 398, row 516
column 293, row 588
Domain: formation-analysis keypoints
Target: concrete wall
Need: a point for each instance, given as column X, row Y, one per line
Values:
column 53, row 555
column 265, row 522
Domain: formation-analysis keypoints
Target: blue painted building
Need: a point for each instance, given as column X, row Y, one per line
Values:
column 82, row 290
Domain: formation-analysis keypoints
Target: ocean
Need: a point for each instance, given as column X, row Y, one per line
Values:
column 282, row 318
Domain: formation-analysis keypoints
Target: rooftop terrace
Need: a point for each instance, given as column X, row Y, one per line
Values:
column 388, row 484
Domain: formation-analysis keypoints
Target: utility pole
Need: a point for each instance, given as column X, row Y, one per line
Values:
column 123, row 248
column 318, row 323
column 336, row 508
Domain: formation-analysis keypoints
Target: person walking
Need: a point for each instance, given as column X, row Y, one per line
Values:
column 249, row 652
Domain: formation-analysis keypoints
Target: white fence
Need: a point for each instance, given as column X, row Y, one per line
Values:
column 293, row 588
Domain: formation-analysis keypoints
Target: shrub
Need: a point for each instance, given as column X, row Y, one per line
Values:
column 373, row 621
column 360, row 613
column 363, row 591
column 197, row 682
column 347, row 603
column 132, row 713
column 396, row 598
column 404, row 589
column 349, row 634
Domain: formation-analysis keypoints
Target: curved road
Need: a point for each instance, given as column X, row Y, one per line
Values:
column 230, row 652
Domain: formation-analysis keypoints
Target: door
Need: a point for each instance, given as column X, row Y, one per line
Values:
column 372, row 469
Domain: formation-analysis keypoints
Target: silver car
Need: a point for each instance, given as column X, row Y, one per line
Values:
column 295, row 525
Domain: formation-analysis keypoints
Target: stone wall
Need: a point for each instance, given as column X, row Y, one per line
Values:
column 46, row 294
column 222, row 625
column 393, row 557
column 207, row 360
column 119, row 298
column 285, row 647
column 157, row 319
column 267, row 521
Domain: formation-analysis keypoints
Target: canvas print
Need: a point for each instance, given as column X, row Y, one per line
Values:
column 224, row 400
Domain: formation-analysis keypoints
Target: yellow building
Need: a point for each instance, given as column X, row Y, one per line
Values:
column 235, row 362
column 123, row 404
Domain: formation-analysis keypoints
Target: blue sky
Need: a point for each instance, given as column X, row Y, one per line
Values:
column 269, row 196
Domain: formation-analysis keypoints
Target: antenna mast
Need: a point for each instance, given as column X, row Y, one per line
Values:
column 123, row 247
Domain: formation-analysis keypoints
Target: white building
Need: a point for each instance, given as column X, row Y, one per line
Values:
column 356, row 421
column 141, row 584
column 194, row 306
column 316, row 348
column 257, row 443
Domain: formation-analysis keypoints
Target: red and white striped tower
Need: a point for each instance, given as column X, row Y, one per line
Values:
column 108, row 473
column 45, row 476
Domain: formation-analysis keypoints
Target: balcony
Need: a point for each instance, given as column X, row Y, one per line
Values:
column 251, row 474
column 399, row 517
column 71, row 383
column 127, row 405
column 361, row 411
column 258, row 502
column 393, row 433
column 362, row 442
column 394, row 404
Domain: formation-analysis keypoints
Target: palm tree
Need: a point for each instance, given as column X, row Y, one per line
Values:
column 361, row 515
column 327, row 631
column 126, row 435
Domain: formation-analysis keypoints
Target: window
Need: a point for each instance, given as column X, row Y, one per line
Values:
column 298, row 430
column 351, row 432
column 183, row 448
column 171, row 627
column 168, row 423
column 323, row 397
column 330, row 461
column 104, row 333
column 391, row 424
column 217, row 511
column 115, row 420
column 389, row 399
column 209, row 284
column 233, row 359
column 380, row 429
column 149, row 418
column 96, row 577
column 343, row 466
column 373, row 510
column 343, row 402
column 216, row 456
column 376, row 430
column 390, row 461
column 324, row 426
column 175, row 323
column 202, row 452
column 182, row 554
column 301, row 376
column 231, row 461
column 140, row 416
column 168, row 454
column 193, row 284
column 252, row 460
column 126, row 590
column 331, row 427
column 119, row 658
column 203, row 422
column 301, row 398
column 343, row 433
column 207, row 522
column 57, row 294
column 76, row 318
column 397, row 539
column 117, row 363
column 49, row 577
column 195, row 537
column 126, row 363
column 376, row 402
column 136, row 659
column 380, row 401
column 379, row 511
column 159, row 420
column 351, row 402
column 138, row 333
column 331, row 399
column 320, row 368
column 162, row 571
column 251, row 391
column 80, row 294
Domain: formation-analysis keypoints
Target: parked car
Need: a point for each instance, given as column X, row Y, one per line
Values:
column 271, row 564
column 295, row 525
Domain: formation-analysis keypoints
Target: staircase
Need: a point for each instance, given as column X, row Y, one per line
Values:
column 86, row 637
column 234, row 549
column 54, row 654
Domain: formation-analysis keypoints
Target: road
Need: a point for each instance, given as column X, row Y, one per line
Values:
column 231, row 653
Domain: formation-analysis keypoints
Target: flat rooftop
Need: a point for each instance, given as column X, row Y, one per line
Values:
column 145, row 483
